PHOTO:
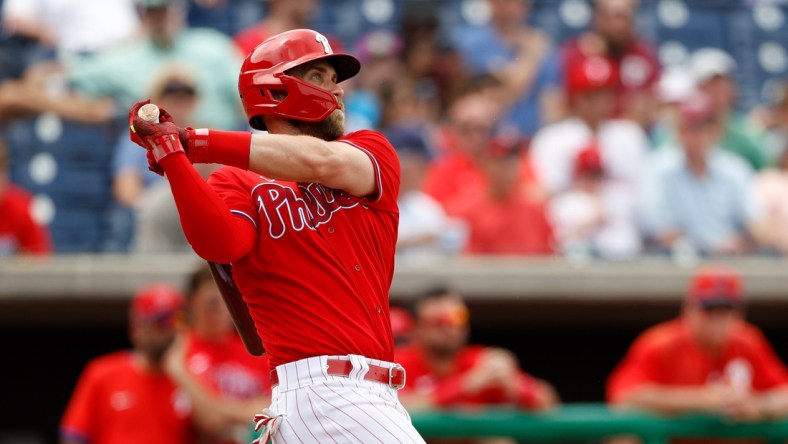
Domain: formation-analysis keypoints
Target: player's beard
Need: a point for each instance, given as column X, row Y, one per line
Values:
column 330, row 128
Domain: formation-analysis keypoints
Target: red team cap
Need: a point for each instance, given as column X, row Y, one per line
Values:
column 589, row 162
column 716, row 286
column 156, row 303
column 696, row 109
column 594, row 73
column 266, row 90
column 401, row 325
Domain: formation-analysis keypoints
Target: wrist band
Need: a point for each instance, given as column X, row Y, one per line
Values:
column 163, row 146
column 225, row 147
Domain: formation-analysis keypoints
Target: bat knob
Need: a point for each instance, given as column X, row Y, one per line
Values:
column 149, row 112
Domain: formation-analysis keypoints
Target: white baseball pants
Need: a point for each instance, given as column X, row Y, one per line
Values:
column 311, row 406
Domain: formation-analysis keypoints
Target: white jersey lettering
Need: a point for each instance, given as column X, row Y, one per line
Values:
column 281, row 207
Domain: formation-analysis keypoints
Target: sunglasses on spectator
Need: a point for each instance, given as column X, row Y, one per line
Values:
column 455, row 317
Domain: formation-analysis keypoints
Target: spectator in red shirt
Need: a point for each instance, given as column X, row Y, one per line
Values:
column 125, row 396
column 613, row 35
column 707, row 360
column 508, row 217
column 445, row 372
column 473, row 117
column 226, row 383
column 20, row 233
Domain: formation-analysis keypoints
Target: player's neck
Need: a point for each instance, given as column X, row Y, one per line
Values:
column 146, row 363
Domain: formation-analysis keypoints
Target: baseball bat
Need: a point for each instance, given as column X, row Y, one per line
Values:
column 239, row 311
column 223, row 276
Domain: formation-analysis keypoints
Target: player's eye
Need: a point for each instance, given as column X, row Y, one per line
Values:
column 316, row 77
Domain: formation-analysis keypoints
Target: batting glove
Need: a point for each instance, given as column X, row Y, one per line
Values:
column 151, row 135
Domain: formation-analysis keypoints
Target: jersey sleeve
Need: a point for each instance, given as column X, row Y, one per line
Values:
column 770, row 372
column 386, row 164
column 228, row 184
column 210, row 226
column 79, row 421
column 640, row 366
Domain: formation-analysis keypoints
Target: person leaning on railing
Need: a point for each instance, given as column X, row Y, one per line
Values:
column 708, row 360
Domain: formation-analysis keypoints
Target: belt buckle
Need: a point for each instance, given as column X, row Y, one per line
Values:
column 393, row 369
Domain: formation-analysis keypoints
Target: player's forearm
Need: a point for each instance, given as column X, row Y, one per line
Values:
column 213, row 231
column 296, row 158
column 212, row 414
column 773, row 404
column 669, row 400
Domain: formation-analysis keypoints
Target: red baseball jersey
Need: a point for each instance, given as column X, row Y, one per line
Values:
column 228, row 368
column 636, row 70
column 667, row 354
column 19, row 232
column 115, row 402
column 318, row 278
column 446, row 390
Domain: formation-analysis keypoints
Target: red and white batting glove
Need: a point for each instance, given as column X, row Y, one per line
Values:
column 153, row 165
column 200, row 145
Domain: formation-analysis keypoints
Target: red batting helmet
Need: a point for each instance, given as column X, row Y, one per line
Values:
column 263, row 72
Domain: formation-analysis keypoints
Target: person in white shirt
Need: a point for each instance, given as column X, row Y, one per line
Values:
column 622, row 146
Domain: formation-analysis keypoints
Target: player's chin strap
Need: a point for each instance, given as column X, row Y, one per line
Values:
column 270, row 421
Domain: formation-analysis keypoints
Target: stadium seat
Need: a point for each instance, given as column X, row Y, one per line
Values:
column 67, row 164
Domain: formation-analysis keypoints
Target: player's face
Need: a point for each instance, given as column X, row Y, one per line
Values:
column 697, row 138
column 152, row 336
column 615, row 21
column 711, row 326
column 321, row 74
column 442, row 325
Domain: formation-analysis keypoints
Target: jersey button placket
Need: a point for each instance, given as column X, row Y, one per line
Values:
column 357, row 267
column 331, row 230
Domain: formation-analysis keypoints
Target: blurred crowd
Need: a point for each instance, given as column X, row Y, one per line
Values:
column 511, row 143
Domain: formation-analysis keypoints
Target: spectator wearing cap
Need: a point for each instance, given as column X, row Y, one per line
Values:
column 520, row 57
column 586, row 220
column 20, row 233
column 445, row 371
column 713, row 70
column 126, row 72
column 622, row 145
column 699, row 194
column 613, row 36
column 707, row 360
column 125, row 396
column 402, row 325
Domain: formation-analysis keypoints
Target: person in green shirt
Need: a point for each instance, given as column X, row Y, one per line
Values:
column 165, row 41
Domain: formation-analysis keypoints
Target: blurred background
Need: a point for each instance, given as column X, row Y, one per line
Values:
column 549, row 150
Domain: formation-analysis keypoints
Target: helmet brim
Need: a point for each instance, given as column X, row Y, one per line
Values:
column 345, row 65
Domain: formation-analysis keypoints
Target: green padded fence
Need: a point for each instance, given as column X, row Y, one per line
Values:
column 587, row 422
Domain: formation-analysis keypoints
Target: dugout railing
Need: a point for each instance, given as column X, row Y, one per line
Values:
column 584, row 423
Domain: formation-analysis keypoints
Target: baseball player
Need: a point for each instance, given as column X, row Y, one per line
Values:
column 308, row 219
column 125, row 396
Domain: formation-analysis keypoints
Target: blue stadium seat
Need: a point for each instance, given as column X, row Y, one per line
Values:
column 70, row 164
column 228, row 17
